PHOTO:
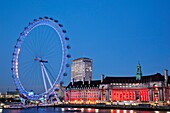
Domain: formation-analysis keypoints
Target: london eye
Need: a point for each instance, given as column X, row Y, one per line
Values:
column 40, row 58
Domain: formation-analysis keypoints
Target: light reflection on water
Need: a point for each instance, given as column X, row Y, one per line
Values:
column 124, row 111
column 82, row 110
column 131, row 111
column 117, row 111
column 96, row 110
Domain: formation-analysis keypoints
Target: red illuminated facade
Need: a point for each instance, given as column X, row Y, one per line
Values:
column 83, row 92
column 152, row 88
column 130, row 95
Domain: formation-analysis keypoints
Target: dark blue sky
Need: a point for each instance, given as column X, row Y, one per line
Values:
column 116, row 34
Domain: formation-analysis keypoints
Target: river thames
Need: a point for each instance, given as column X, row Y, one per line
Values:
column 70, row 110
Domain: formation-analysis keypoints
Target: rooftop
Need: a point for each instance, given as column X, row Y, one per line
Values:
column 82, row 58
column 78, row 84
column 108, row 79
column 144, row 79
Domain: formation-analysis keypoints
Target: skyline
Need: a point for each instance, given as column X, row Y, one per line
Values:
column 115, row 34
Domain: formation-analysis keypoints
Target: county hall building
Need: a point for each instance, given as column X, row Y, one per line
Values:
column 141, row 89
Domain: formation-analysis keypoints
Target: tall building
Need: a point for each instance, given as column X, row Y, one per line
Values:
column 81, row 69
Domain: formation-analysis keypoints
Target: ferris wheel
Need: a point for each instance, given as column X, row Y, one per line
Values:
column 40, row 58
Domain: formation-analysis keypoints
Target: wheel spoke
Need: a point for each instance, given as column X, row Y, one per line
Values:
column 45, row 85
column 47, row 76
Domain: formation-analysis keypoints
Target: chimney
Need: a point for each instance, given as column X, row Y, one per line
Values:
column 165, row 77
column 73, row 81
column 102, row 78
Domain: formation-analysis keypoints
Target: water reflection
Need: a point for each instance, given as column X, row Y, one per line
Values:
column 131, row 111
column 96, row 110
column 93, row 110
column 89, row 109
column 75, row 108
column 120, row 111
column 117, row 111
column 124, row 111
column 156, row 111
column 82, row 110
column 15, row 111
column 62, row 109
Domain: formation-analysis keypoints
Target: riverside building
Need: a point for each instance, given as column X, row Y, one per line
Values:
column 154, row 89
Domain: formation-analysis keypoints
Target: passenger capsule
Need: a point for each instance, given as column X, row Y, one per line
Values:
column 61, row 82
column 60, row 25
column 56, row 21
column 68, row 47
column 64, row 31
column 68, row 56
column 51, row 19
column 65, row 74
column 46, row 17
column 66, row 38
column 13, row 54
column 67, row 65
column 29, row 23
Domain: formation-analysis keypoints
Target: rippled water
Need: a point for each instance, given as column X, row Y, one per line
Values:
column 83, row 110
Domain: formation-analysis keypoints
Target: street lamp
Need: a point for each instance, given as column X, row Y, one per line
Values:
column 75, row 101
column 168, row 102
